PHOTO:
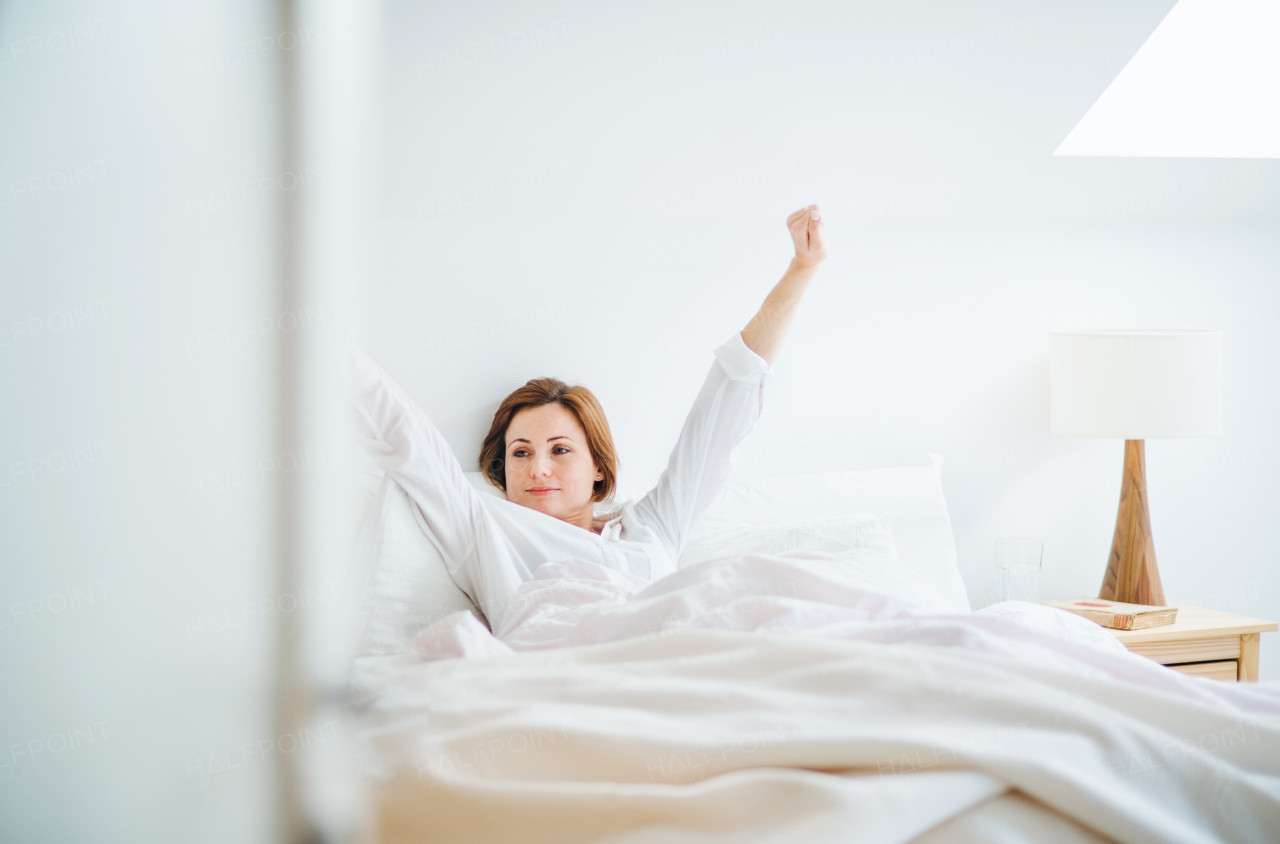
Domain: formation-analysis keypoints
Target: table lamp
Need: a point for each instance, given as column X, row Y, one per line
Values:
column 1135, row 384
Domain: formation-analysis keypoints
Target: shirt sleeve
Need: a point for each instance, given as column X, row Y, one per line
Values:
column 408, row 447
column 725, row 411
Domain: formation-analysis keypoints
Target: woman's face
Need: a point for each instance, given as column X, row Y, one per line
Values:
column 548, row 465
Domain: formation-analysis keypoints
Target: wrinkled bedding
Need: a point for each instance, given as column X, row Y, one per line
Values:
column 803, row 697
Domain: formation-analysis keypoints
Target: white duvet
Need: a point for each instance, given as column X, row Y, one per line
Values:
column 804, row 697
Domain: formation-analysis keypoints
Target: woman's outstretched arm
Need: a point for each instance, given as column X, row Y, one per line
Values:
column 403, row 440
column 731, row 399
column 767, row 332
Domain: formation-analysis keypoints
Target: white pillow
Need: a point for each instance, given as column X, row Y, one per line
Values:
column 722, row 536
column 910, row 496
column 481, row 483
column 406, row 584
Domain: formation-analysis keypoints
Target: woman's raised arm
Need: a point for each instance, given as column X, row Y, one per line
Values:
column 401, row 437
column 731, row 398
column 767, row 332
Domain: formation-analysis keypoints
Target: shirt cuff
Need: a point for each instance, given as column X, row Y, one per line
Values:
column 739, row 362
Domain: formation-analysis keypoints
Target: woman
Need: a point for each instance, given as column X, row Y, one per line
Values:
column 550, row 452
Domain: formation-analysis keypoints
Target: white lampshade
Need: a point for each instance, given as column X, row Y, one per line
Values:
column 1135, row 384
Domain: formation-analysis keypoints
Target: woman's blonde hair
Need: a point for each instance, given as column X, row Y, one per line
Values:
column 579, row 401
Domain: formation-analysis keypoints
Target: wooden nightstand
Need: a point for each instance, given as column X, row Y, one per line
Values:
column 1206, row 643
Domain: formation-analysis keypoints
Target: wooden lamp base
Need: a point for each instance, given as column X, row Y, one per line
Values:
column 1132, row 576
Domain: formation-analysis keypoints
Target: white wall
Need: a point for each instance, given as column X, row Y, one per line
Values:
column 597, row 193
column 137, row 329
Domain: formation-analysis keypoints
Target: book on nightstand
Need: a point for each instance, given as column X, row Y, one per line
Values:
column 1116, row 614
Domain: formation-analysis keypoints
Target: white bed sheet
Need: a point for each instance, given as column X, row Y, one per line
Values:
column 806, row 698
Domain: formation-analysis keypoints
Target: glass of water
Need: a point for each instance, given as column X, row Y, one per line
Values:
column 1018, row 562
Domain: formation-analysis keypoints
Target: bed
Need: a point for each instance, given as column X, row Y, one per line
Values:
column 812, row 672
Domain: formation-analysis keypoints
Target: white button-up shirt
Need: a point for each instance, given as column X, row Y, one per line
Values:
column 491, row 546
